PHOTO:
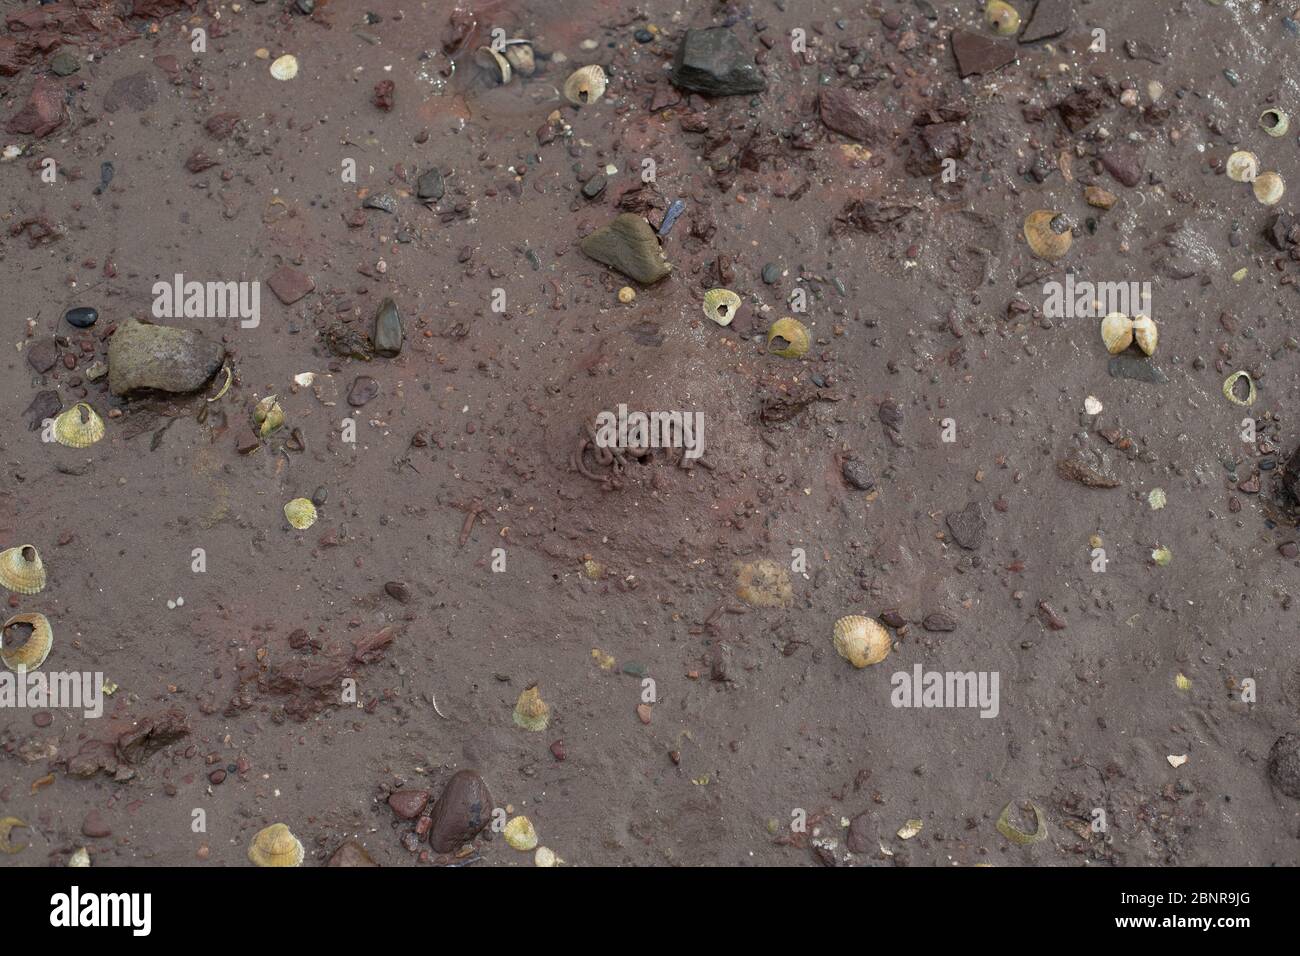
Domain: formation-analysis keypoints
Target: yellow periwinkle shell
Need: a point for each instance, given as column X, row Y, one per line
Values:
column 531, row 712
column 520, row 834
column 28, row 654
column 275, row 846
column 788, row 338
column 21, row 570
column 861, row 641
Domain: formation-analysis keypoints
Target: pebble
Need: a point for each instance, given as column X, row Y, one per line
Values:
column 968, row 525
column 94, row 826
column 146, row 356
column 388, row 330
column 82, row 317
column 712, row 61
column 42, row 355
column 430, row 185
column 629, row 245
column 290, row 285
column 351, row 853
column 1284, row 765
column 594, row 186
column 462, row 810
column 771, row 273
column 399, row 591
column 976, row 53
column 364, row 389
column 858, row 475
column 408, row 804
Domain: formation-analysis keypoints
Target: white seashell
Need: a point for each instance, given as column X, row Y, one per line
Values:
column 285, row 67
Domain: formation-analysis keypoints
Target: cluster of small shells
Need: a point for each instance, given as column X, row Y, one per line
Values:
column 275, row 846
column 1118, row 331
column 515, row 56
column 1243, row 167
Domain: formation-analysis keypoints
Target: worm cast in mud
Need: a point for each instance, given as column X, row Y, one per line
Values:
column 198, row 40
column 1248, row 430
column 1098, row 44
column 349, row 691
column 799, row 300
column 798, row 561
column 949, row 174
column 648, row 691
column 1099, row 560
column 798, row 40
column 1248, row 690
column 1098, row 823
column 49, row 170
column 498, row 300
column 198, row 820
column 498, row 560
column 349, row 172
column 498, row 819
column 199, row 564
column 949, row 434
column 798, row 820
column 498, row 43
column 47, row 430
column 349, row 431
column 648, row 170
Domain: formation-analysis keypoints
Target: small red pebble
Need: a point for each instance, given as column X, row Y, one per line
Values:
column 557, row 750
column 643, row 711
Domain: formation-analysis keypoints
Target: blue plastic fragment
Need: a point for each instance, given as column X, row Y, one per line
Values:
column 670, row 217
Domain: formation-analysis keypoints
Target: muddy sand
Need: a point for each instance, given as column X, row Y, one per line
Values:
column 947, row 452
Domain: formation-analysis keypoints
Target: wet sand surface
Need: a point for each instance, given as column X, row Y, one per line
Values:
column 925, row 312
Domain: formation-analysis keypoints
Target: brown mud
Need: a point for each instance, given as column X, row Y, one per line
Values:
column 924, row 304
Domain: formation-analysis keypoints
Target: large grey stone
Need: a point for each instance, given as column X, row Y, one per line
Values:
column 629, row 245
column 713, row 62
column 146, row 356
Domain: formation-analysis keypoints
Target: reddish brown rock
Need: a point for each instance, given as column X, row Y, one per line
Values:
column 351, row 853
column 290, row 285
column 852, row 112
column 408, row 804
column 976, row 53
column 94, row 826
column 43, row 112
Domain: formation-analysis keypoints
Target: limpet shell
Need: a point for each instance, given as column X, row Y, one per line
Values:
column 1275, row 122
column 1145, row 334
column 285, row 67
column 300, row 513
column 1243, row 166
column 1229, row 389
column 31, row 653
column 520, row 56
column 586, row 85
column 78, row 427
column 275, row 846
column 1008, row 829
column 493, row 63
column 531, row 712
column 520, row 834
column 1117, row 332
column 268, row 415
column 861, row 641
column 1269, row 188
column 21, row 570
column 788, row 338
column 1041, row 233
column 721, row 305
column 1002, row 17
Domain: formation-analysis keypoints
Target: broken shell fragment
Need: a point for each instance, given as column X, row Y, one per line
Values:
column 764, row 583
column 861, row 641
column 78, row 427
column 300, row 513
column 545, row 856
column 6, row 828
column 788, row 338
column 1117, row 332
column 520, row 56
column 1145, row 334
column 1230, row 389
column 493, row 63
column 1274, row 122
column 275, row 846
column 531, row 712
column 21, row 570
column 1048, row 234
column 268, row 415
column 520, row 834
column 1008, row 830
column 285, row 67
column 1243, row 166
column 80, row 858
column 25, row 641
column 1002, row 17
column 1269, row 188
column 721, row 305
column 585, row 86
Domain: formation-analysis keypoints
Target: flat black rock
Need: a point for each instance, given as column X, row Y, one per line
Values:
column 430, row 185
column 980, row 54
column 82, row 317
column 388, row 330
column 1050, row 18
column 967, row 526
column 713, row 62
